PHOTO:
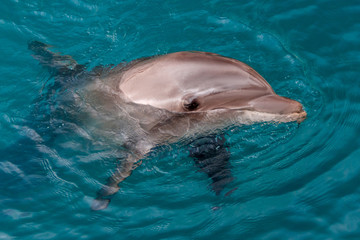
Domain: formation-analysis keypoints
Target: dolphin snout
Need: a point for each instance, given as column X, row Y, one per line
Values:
column 277, row 105
column 296, row 106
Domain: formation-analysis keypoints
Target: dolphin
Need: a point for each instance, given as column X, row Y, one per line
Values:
column 160, row 99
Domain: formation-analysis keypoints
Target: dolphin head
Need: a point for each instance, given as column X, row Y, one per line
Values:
column 198, row 82
column 261, row 104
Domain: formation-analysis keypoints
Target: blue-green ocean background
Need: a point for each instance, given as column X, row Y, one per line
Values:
column 292, row 182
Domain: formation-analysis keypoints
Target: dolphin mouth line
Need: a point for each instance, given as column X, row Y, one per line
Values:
column 251, row 115
column 247, row 109
column 257, row 116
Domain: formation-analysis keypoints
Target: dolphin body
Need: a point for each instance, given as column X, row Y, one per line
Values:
column 157, row 100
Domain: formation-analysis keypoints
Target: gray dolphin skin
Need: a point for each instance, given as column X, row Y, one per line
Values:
column 158, row 100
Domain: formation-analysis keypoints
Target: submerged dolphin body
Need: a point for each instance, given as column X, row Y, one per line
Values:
column 157, row 100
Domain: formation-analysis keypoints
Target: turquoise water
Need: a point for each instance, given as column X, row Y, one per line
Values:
column 292, row 182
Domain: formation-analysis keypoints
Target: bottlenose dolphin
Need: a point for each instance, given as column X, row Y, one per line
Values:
column 156, row 100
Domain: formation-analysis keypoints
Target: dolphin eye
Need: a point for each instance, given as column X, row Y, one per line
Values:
column 192, row 106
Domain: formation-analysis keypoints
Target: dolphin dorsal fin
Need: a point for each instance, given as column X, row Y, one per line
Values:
column 56, row 63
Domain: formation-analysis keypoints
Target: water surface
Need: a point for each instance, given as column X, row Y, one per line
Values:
column 292, row 182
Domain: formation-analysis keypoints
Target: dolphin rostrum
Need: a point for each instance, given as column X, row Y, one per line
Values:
column 164, row 98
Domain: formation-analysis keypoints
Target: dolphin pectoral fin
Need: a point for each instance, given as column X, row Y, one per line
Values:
column 220, row 179
column 217, row 169
column 104, row 195
column 99, row 204
column 54, row 62
column 212, row 157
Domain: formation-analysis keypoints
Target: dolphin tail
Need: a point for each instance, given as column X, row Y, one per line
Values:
column 56, row 64
column 212, row 157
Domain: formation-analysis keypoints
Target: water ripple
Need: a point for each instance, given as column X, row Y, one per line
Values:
column 290, row 181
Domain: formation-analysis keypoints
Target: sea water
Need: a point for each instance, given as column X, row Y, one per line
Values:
column 290, row 181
